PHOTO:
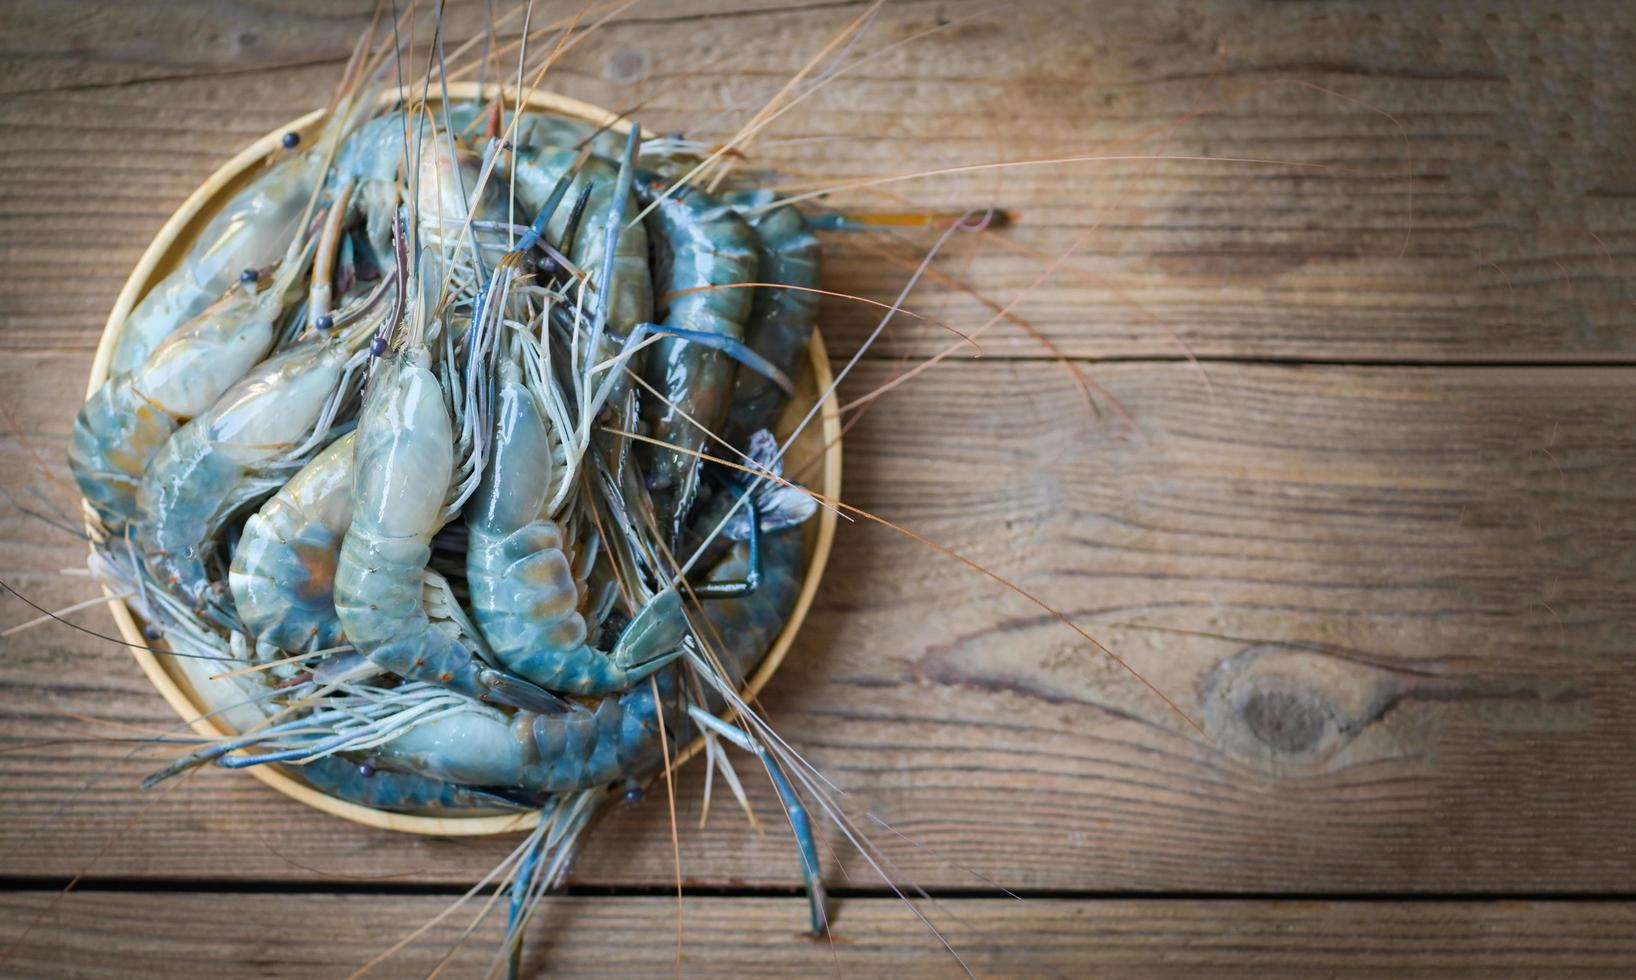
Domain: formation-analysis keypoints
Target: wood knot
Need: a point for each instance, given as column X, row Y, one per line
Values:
column 1289, row 704
column 1284, row 721
column 627, row 66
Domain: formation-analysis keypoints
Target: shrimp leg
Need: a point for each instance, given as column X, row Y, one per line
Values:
column 630, row 287
column 800, row 823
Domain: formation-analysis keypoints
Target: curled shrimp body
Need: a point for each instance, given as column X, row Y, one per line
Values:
column 703, row 243
column 631, row 291
column 618, row 740
column 524, row 596
column 283, row 572
column 244, row 446
column 403, row 462
column 124, row 423
column 252, row 231
column 781, row 320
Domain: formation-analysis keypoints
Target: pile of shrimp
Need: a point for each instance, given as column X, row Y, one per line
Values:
column 407, row 463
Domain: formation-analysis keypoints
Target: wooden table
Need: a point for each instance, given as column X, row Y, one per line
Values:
column 1356, row 494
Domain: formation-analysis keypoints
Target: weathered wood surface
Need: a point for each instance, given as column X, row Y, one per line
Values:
column 1465, row 194
column 1397, row 599
column 1409, row 589
column 323, row 935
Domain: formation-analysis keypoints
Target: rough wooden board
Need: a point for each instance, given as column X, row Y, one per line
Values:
column 1514, row 240
column 1419, row 581
column 300, row 935
column 1417, row 585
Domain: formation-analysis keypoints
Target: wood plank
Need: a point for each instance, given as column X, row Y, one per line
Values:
column 1467, row 199
column 299, row 935
column 1405, row 597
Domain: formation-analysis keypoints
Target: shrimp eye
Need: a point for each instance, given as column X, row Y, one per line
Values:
column 548, row 266
column 249, row 276
column 152, row 632
column 366, row 770
column 633, row 796
column 377, row 346
column 291, row 140
column 324, row 322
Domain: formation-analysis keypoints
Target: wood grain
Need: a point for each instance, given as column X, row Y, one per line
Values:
column 1409, row 597
column 1377, row 545
column 322, row 935
column 1460, row 193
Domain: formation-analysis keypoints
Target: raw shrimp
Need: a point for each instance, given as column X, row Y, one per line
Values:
column 252, row 231
column 705, row 243
column 243, row 447
column 781, row 320
column 618, row 740
column 524, row 594
column 283, row 572
column 403, row 467
column 126, row 421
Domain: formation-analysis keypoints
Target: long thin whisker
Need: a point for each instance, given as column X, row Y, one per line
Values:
column 1044, row 162
column 973, row 565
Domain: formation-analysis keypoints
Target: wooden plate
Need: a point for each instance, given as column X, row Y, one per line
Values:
column 171, row 244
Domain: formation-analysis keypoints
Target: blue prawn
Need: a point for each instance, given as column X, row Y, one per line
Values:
column 524, row 594
column 618, row 740
column 403, row 462
column 242, row 448
column 705, row 243
column 283, row 572
column 124, row 423
column 781, row 320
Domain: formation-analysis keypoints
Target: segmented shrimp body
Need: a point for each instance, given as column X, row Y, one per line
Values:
column 619, row 739
column 404, row 464
column 251, row 232
column 283, row 572
column 524, row 592
column 125, row 423
column 704, row 243
column 781, row 320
